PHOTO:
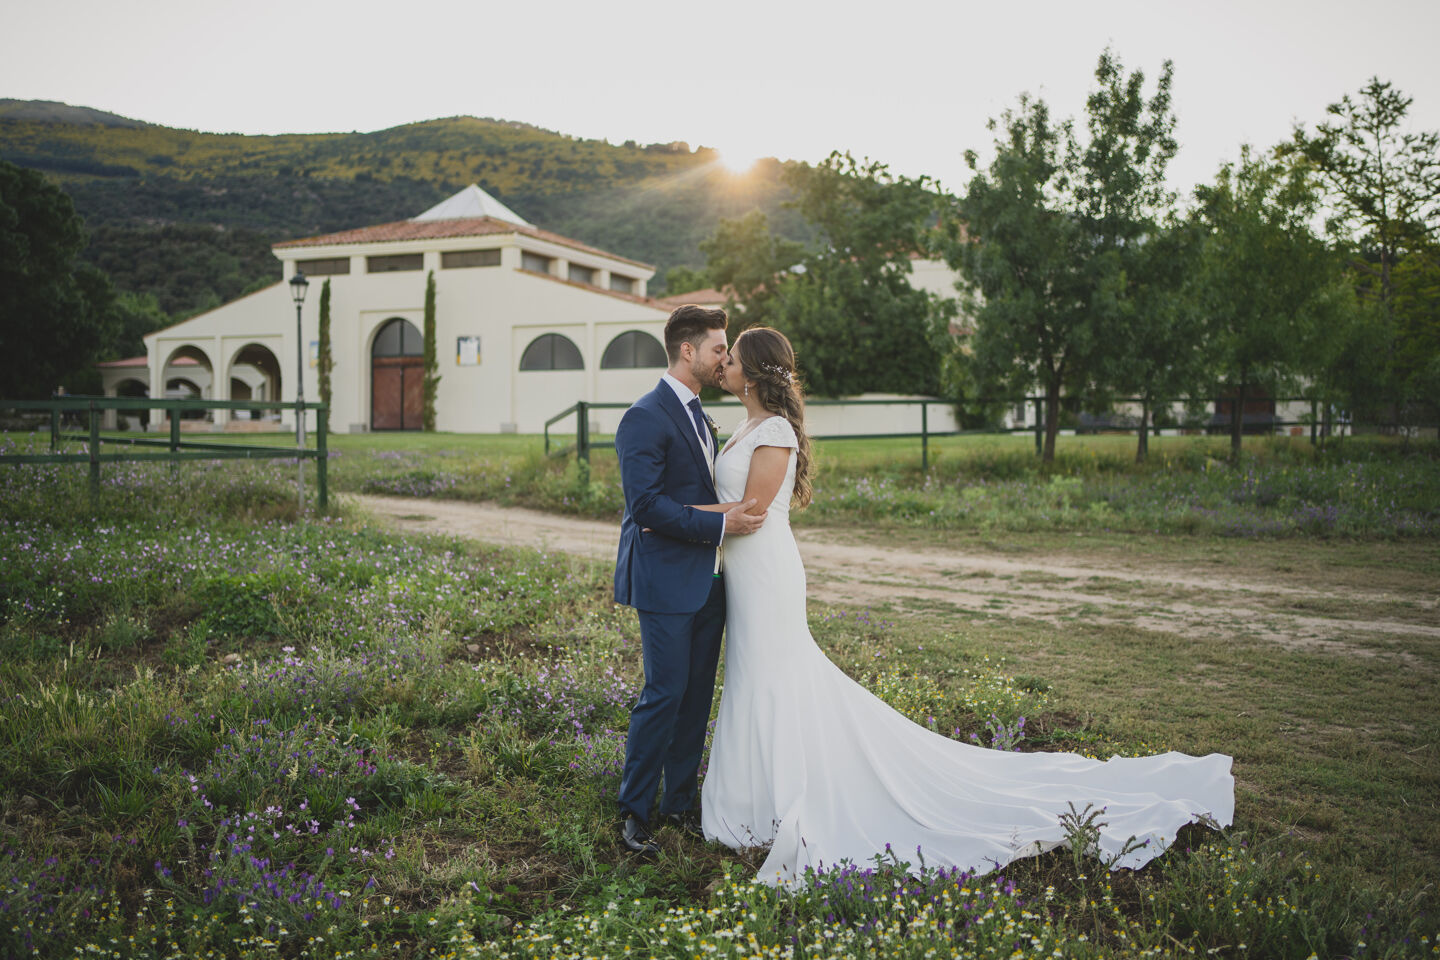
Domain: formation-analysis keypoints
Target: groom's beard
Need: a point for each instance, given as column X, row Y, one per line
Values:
column 709, row 376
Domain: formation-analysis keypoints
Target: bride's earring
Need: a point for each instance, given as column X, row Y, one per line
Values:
column 747, row 389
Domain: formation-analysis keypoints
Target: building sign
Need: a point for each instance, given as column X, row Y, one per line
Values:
column 467, row 351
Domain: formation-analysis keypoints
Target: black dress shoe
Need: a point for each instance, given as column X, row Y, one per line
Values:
column 687, row 822
column 636, row 838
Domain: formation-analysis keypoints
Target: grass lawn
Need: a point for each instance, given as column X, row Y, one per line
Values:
column 231, row 730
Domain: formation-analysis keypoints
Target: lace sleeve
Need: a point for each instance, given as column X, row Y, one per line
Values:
column 776, row 432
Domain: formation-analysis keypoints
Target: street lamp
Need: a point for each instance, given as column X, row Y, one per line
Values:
column 298, row 286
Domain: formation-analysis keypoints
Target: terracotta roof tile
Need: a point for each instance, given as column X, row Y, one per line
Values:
column 702, row 297
column 629, row 297
column 439, row 229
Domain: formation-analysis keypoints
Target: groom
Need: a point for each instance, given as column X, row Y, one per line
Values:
column 668, row 569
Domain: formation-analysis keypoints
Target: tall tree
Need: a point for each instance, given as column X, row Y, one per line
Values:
column 1144, row 335
column 432, row 366
column 1270, row 289
column 856, row 322
column 1059, row 248
column 326, row 360
column 1161, row 349
column 1019, row 254
column 1383, row 186
column 748, row 262
column 1384, row 182
column 51, row 329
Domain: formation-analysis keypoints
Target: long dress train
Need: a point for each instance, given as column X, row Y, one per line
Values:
column 810, row 762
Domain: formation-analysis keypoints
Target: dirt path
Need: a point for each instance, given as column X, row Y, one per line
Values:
column 1054, row 589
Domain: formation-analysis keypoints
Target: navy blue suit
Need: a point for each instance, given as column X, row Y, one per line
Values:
column 665, row 569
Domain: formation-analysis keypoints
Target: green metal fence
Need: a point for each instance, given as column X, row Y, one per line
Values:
column 583, row 444
column 90, row 410
column 1213, row 422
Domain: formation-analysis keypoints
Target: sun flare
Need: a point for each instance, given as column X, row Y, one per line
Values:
column 738, row 162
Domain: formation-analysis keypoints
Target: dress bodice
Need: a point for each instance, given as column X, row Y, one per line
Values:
column 732, row 469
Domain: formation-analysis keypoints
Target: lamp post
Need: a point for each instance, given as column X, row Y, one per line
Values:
column 298, row 286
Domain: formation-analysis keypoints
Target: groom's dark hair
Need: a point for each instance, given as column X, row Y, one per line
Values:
column 690, row 324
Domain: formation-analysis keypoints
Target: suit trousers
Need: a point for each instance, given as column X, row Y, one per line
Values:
column 669, row 721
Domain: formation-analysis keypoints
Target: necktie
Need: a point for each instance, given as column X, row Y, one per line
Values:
column 700, row 425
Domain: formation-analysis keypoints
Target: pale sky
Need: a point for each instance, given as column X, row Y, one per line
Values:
column 907, row 82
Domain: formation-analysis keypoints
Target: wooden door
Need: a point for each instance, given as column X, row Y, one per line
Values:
column 397, row 393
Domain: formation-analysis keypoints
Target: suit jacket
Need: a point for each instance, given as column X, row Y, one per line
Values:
column 662, row 468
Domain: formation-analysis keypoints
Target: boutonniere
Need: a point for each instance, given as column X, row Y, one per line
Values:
column 714, row 430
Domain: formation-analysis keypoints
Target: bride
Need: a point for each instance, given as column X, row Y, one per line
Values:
column 813, row 765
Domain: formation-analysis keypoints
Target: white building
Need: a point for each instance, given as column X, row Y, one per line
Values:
column 527, row 322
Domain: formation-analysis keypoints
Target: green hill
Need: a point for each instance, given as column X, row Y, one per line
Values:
column 190, row 216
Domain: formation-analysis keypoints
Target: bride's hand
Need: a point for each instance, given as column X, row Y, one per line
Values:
column 738, row 522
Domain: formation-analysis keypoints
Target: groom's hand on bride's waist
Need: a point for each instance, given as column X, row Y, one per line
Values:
column 738, row 521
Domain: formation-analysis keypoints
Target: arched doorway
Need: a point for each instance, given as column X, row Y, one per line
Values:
column 255, row 375
column 188, row 374
column 133, row 419
column 397, row 377
column 180, row 388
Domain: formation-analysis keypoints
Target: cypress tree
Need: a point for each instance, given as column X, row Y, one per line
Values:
column 326, row 361
column 432, row 378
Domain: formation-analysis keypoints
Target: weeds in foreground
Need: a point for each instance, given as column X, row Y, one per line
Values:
column 249, row 738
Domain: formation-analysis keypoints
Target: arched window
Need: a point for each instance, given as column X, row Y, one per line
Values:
column 633, row 349
column 398, row 338
column 551, row 351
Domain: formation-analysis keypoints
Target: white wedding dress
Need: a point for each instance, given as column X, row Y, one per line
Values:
column 806, row 760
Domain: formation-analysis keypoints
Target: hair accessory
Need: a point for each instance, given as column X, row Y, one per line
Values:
column 778, row 372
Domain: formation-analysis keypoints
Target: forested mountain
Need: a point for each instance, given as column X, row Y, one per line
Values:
column 190, row 216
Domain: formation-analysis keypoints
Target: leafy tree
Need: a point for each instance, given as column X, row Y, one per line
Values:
column 432, row 366
column 1417, row 313
column 1161, row 349
column 1270, row 289
column 1146, row 338
column 1019, row 253
column 136, row 314
column 856, row 322
column 326, row 360
column 1383, row 184
column 747, row 261
column 683, row 279
column 54, row 321
column 1075, row 296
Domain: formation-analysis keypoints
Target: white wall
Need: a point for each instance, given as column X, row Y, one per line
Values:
column 504, row 306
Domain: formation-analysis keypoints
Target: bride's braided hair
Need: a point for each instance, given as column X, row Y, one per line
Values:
column 767, row 358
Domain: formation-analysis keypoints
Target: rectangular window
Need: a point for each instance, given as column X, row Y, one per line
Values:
column 395, row 262
column 621, row 284
column 534, row 261
column 331, row 267
column 470, row 258
column 579, row 274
